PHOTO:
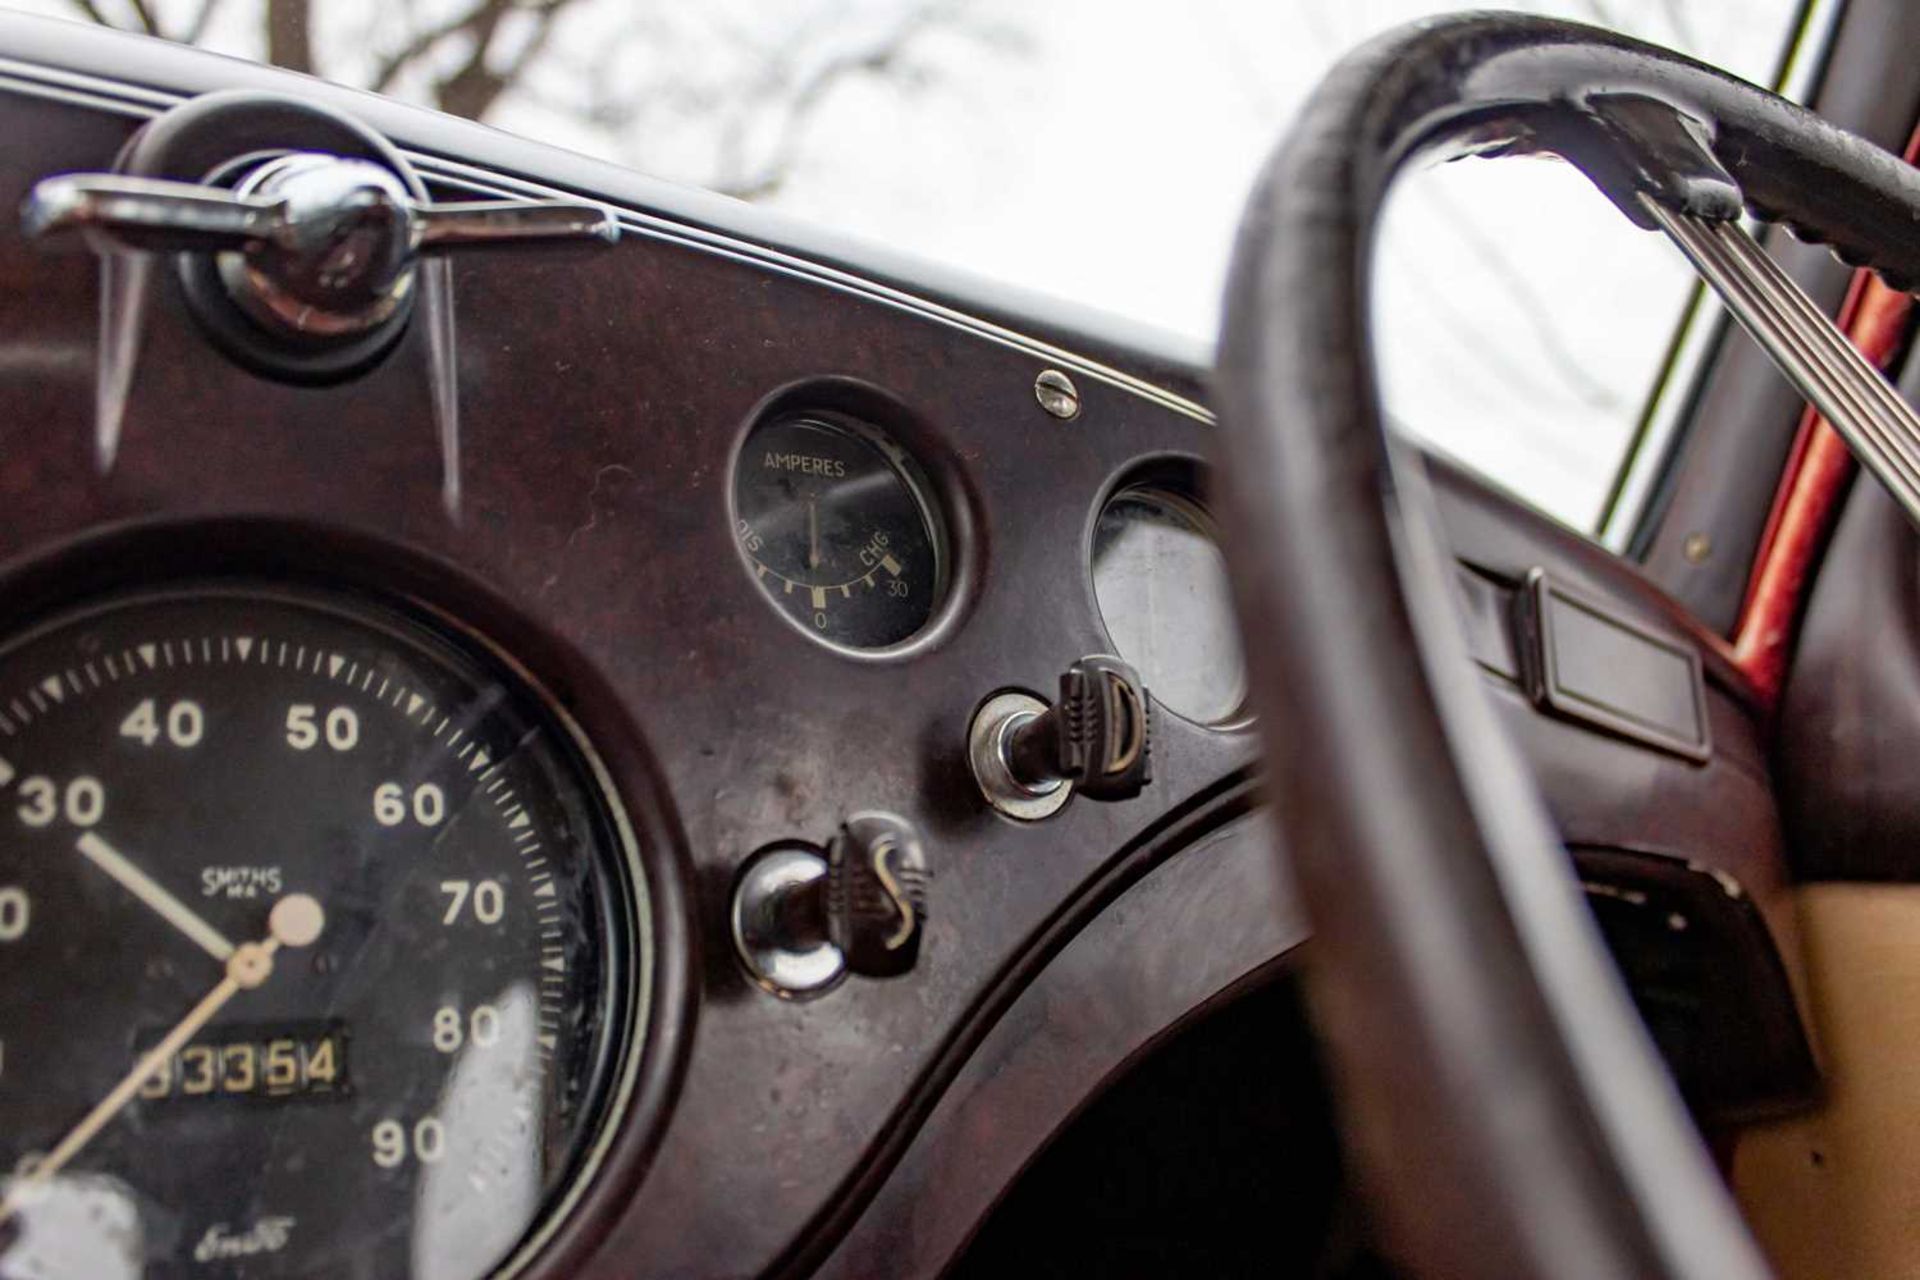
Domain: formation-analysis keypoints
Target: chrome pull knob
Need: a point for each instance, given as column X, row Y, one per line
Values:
column 484, row 223
column 313, row 245
column 301, row 241
column 146, row 213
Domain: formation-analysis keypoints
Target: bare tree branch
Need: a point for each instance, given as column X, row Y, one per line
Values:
column 91, row 12
column 290, row 34
column 407, row 54
column 197, row 29
column 472, row 89
column 756, row 104
column 144, row 16
column 1495, row 260
column 801, row 101
column 1463, row 329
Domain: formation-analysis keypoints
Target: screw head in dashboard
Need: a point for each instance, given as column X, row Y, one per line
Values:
column 1057, row 394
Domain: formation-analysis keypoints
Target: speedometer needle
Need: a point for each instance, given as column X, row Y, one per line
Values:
column 296, row 920
column 148, row 890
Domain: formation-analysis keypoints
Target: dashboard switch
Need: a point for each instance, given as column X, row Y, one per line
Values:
column 1097, row 740
column 803, row 921
column 876, row 896
column 1097, row 737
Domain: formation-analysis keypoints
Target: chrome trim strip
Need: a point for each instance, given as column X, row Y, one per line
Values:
column 650, row 226
column 138, row 103
column 85, row 91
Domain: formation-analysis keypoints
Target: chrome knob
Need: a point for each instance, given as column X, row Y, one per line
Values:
column 803, row 917
column 779, row 923
column 309, row 245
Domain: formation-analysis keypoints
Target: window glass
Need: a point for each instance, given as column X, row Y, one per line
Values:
column 1100, row 150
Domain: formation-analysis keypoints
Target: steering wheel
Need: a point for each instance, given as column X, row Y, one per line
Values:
column 1506, row 1111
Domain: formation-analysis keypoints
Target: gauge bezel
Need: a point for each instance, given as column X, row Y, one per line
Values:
column 1178, row 480
column 918, row 456
column 394, row 589
column 620, row 893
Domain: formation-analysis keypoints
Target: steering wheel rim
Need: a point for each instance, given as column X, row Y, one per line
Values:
column 1507, row 1111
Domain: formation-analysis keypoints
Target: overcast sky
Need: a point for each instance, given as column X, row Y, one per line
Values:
column 1522, row 317
column 1101, row 150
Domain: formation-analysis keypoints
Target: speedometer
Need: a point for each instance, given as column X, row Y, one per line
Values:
column 318, row 933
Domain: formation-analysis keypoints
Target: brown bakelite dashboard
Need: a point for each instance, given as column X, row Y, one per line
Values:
column 604, row 396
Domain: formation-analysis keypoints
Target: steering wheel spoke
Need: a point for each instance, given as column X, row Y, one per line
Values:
column 1875, row 420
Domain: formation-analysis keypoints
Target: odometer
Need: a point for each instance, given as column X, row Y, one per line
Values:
column 317, row 931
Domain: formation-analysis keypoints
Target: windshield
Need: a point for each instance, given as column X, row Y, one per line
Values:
column 1099, row 150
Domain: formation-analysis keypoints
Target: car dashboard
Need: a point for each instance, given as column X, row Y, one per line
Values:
column 512, row 729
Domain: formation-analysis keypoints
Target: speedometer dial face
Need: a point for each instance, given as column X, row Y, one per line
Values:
column 317, row 945
column 839, row 529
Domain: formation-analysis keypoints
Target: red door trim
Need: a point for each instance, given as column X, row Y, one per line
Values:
column 1807, row 503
